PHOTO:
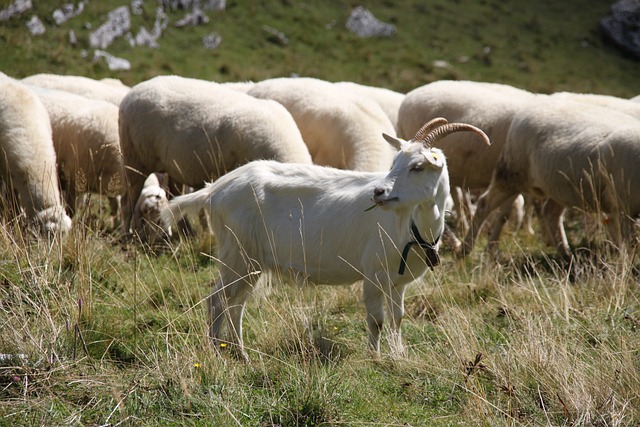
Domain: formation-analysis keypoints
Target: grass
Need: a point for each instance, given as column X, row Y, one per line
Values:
column 112, row 335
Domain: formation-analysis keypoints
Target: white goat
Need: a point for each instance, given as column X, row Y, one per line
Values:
column 489, row 106
column 196, row 131
column 571, row 155
column 341, row 128
column 27, row 157
column 85, row 86
column 316, row 223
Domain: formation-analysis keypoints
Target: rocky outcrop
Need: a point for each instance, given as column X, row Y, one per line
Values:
column 622, row 27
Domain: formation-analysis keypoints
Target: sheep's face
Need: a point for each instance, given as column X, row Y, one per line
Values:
column 54, row 221
column 417, row 175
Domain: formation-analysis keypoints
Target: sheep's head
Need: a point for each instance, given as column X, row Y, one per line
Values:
column 53, row 221
column 419, row 171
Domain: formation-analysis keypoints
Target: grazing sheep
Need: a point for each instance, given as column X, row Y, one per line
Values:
column 196, row 131
column 636, row 98
column 620, row 104
column 387, row 99
column 147, row 223
column 571, row 155
column 27, row 157
column 341, row 129
column 489, row 106
column 317, row 223
column 239, row 86
column 85, row 86
column 87, row 145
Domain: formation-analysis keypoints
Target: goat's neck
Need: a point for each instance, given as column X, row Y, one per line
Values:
column 429, row 219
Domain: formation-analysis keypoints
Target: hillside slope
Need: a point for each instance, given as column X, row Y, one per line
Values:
column 542, row 46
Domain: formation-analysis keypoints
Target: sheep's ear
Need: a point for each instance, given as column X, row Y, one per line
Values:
column 395, row 142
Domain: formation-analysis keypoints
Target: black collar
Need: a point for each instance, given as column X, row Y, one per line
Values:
column 431, row 253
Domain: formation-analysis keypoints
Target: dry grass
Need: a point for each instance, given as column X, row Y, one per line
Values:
column 112, row 335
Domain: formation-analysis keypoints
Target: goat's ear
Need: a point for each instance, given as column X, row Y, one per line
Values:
column 395, row 142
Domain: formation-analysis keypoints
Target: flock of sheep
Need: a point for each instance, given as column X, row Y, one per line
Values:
column 331, row 182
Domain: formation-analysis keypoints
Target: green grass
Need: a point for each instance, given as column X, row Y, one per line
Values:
column 116, row 336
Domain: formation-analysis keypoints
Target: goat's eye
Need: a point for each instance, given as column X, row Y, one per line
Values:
column 417, row 167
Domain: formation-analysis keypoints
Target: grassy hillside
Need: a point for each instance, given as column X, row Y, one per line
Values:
column 542, row 46
column 98, row 333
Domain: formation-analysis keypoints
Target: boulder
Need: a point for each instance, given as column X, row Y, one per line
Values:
column 362, row 22
column 622, row 27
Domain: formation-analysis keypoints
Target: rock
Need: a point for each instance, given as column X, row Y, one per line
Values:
column 362, row 22
column 67, row 12
column 212, row 41
column 114, row 64
column 136, row 7
column 622, row 27
column 149, row 38
column 35, row 26
column 214, row 5
column 196, row 17
column 118, row 24
column 15, row 9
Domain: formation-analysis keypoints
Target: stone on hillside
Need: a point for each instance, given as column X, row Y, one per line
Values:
column 118, row 23
column 15, row 9
column 622, row 27
column 212, row 41
column 179, row 4
column 114, row 64
column 35, row 26
column 196, row 17
column 214, row 5
column 136, row 7
column 362, row 22
column 67, row 12
column 149, row 38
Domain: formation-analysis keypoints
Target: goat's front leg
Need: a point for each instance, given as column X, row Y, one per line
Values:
column 372, row 296
column 395, row 307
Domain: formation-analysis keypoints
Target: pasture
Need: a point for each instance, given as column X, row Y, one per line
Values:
column 97, row 332
column 105, row 334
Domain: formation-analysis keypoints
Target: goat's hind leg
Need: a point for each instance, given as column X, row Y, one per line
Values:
column 227, row 301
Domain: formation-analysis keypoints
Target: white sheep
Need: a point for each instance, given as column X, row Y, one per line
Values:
column 147, row 223
column 196, row 131
column 85, row 86
column 317, row 223
column 27, row 157
column 341, row 129
column 87, row 145
column 489, row 106
column 571, row 155
column 620, row 104
column 239, row 86
column 387, row 99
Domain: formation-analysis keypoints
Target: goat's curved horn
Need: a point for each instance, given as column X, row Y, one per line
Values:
column 428, row 127
column 441, row 131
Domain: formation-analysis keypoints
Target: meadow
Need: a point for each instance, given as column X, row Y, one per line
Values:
column 95, row 332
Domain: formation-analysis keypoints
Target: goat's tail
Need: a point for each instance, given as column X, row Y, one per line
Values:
column 186, row 204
